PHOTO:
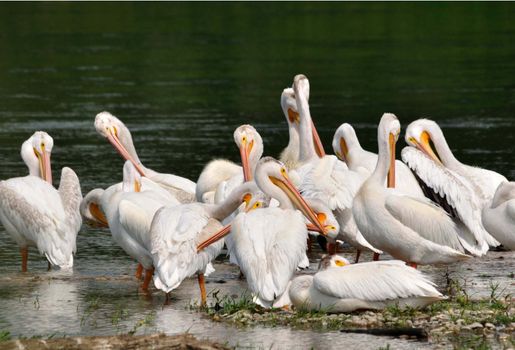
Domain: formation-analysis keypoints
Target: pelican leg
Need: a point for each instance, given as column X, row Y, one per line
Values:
column 358, row 253
column 202, row 285
column 24, row 256
column 331, row 248
column 167, row 298
column 375, row 257
column 309, row 244
column 148, row 276
column 139, row 271
column 412, row 264
column 49, row 266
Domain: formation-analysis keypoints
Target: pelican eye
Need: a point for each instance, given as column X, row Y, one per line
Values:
column 256, row 205
column 339, row 262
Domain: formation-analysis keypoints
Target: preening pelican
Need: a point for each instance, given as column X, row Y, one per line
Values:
column 348, row 149
column 214, row 173
column 409, row 229
column 129, row 214
column 444, row 172
column 115, row 131
column 90, row 209
column 499, row 216
column 339, row 286
column 177, row 230
column 327, row 179
column 269, row 243
column 34, row 213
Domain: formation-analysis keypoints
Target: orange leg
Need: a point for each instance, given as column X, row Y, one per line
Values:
column 358, row 253
column 375, row 257
column 412, row 264
column 202, row 285
column 139, row 271
column 24, row 256
column 148, row 276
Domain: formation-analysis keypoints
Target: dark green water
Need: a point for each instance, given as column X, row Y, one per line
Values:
column 184, row 76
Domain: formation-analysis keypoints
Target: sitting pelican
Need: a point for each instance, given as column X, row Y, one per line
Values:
column 269, row 243
column 339, row 286
column 409, row 229
column 462, row 189
column 348, row 149
column 129, row 213
column 177, row 230
column 499, row 216
column 115, row 131
column 34, row 213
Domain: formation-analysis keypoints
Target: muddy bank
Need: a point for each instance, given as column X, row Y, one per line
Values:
column 125, row 342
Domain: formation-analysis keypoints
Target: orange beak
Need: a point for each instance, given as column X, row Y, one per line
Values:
column 245, row 150
column 97, row 213
column 45, row 170
column 391, row 171
column 113, row 139
column 319, row 147
column 343, row 149
column 224, row 231
column 425, row 147
column 289, row 189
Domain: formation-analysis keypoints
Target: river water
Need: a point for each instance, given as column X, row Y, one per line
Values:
column 184, row 76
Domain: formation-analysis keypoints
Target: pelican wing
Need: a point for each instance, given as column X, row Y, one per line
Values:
column 331, row 182
column 269, row 245
column 374, row 281
column 175, row 233
column 457, row 191
column 181, row 188
column 71, row 197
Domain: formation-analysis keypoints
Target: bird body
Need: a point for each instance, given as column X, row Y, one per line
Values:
column 499, row 216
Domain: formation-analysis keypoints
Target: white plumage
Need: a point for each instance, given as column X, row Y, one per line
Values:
column 499, row 216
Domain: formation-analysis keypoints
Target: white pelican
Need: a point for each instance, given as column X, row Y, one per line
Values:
column 348, row 149
column 409, row 229
column 499, row 216
column 290, row 155
column 177, row 230
column 327, row 179
column 115, row 131
column 34, row 213
column 269, row 243
column 442, row 174
column 339, row 286
column 90, row 209
column 214, row 173
column 129, row 213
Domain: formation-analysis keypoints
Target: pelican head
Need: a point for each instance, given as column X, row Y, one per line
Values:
column 119, row 136
column 35, row 152
column 332, row 260
column 131, row 178
column 250, row 144
column 388, row 131
column 325, row 217
column 301, row 85
column 90, row 208
column 420, row 134
column 504, row 193
column 344, row 139
column 271, row 175
column 289, row 107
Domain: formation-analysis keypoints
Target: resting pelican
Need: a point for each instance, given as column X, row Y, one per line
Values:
column 339, row 286
column 177, row 230
column 269, row 243
column 290, row 155
column 409, row 229
column 129, row 214
column 444, row 172
column 327, row 179
column 115, row 131
column 34, row 213
column 348, row 149
column 499, row 216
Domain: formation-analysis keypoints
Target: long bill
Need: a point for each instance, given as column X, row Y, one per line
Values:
column 289, row 189
column 319, row 147
column 244, row 154
column 425, row 147
column 391, row 170
column 97, row 213
column 47, row 169
column 113, row 139
column 224, row 231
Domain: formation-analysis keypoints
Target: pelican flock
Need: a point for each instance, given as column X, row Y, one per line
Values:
column 427, row 209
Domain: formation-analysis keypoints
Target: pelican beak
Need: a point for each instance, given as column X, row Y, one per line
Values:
column 319, row 147
column 45, row 170
column 224, row 231
column 112, row 137
column 343, row 149
column 289, row 189
column 391, row 171
column 245, row 150
column 293, row 116
column 137, row 186
column 425, row 147
column 97, row 213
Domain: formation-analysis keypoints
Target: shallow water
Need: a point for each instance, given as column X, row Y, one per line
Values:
column 184, row 76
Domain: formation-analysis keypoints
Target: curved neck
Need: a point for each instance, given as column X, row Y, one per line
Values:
column 293, row 144
column 230, row 204
column 444, row 152
column 271, row 190
column 307, row 147
column 30, row 160
column 255, row 155
column 126, row 140
column 383, row 159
